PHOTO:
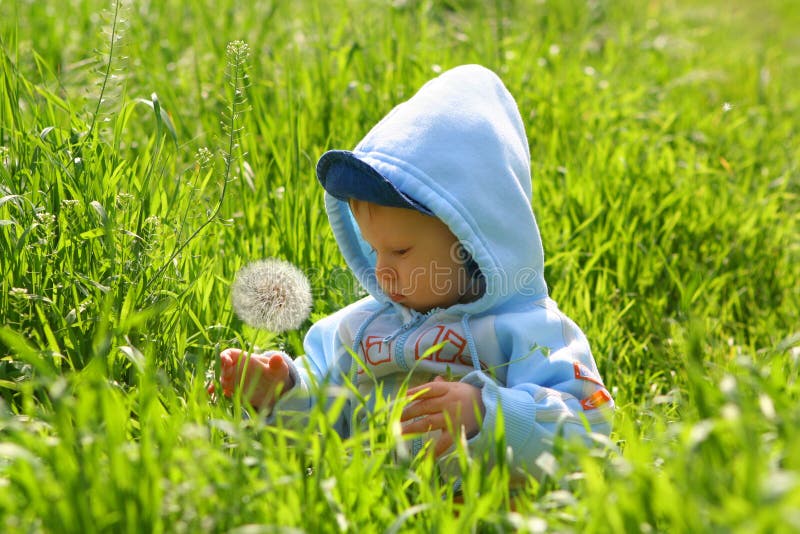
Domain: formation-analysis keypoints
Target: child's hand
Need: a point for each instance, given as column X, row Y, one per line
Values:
column 442, row 405
column 266, row 376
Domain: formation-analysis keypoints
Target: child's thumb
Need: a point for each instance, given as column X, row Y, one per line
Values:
column 277, row 363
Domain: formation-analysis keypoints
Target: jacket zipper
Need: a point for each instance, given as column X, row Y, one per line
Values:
column 402, row 336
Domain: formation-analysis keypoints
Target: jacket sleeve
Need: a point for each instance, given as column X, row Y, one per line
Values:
column 322, row 363
column 551, row 388
column 319, row 374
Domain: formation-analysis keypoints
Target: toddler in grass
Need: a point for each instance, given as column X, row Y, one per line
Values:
column 432, row 212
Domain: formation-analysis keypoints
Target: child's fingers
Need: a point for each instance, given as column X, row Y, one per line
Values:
column 437, row 388
column 230, row 355
column 426, row 423
column 444, row 442
column 277, row 366
column 424, row 405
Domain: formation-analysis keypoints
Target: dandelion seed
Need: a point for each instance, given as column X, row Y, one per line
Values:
column 547, row 463
column 727, row 385
column 730, row 412
column 272, row 295
column 700, row 432
column 766, row 406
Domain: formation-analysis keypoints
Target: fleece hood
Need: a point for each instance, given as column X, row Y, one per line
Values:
column 458, row 147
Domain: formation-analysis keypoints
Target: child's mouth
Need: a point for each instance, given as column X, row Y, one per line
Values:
column 397, row 297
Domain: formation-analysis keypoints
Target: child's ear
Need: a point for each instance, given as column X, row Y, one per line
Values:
column 459, row 253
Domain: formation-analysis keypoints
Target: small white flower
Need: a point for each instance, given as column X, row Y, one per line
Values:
column 660, row 42
column 18, row 292
column 726, row 107
column 272, row 295
column 45, row 218
column 122, row 199
column 203, row 157
column 239, row 49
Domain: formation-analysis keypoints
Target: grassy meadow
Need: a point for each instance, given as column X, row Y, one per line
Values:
column 148, row 150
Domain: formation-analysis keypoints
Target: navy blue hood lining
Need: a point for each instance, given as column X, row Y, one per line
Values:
column 344, row 176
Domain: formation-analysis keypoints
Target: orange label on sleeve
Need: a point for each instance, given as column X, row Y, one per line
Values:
column 596, row 399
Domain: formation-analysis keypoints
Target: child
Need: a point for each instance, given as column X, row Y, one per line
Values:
column 432, row 212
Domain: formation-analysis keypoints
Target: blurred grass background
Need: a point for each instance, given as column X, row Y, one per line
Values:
column 148, row 150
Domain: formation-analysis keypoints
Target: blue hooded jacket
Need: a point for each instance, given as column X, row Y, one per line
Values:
column 459, row 148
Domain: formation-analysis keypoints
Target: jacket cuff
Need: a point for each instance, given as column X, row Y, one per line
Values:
column 298, row 397
column 518, row 409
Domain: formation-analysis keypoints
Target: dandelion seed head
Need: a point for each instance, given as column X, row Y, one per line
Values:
column 271, row 295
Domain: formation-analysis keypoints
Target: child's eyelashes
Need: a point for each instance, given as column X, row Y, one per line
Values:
column 400, row 252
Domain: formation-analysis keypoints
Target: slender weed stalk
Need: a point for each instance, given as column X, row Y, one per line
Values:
column 238, row 53
column 111, row 67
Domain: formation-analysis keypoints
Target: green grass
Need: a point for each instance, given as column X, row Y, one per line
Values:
column 135, row 180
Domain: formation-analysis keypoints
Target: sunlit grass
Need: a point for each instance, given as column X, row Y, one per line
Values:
column 666, row 158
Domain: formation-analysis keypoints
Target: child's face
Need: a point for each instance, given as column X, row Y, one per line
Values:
column 417, row 261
